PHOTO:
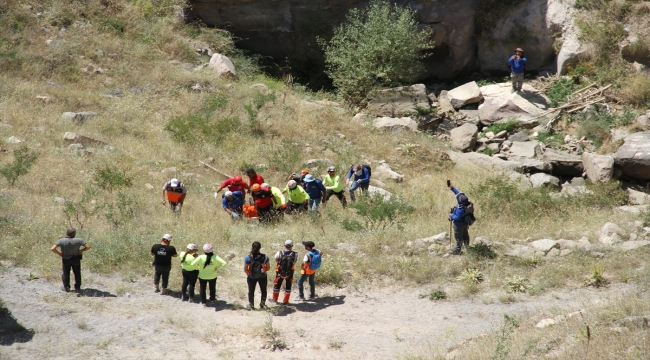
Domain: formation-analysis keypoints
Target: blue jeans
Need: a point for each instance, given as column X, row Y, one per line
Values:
column 312, row 284
column 313, row 204
column 355, row 185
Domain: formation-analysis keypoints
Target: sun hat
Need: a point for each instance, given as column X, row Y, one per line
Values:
column 309, row 178
column 288, row 243
column 207, row 248
column 191, row 246
column 167, row 237
column 174, row 182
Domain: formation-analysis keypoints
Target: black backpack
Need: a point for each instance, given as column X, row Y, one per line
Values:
column 469, row 213
column 367, row 167
column 256, row 266
column 286, row 264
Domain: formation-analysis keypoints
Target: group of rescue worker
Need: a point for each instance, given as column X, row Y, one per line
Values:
column 303, row 192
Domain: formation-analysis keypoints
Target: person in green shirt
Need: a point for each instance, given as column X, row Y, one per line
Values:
column 190, row 272
column 209, row 265
column 334, row 186
column 298, row 197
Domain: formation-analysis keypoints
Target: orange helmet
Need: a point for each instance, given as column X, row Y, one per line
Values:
column 255, row 187
column 236, row 179
column 304, row 172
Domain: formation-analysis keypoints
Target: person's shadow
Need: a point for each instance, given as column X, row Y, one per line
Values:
column 88, row 292
column 320, row 303
column 11, row 331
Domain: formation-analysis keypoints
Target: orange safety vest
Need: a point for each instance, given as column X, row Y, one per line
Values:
column 174, row 194
column 250, row 211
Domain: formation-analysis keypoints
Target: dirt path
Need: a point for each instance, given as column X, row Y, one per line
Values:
column 118, row 321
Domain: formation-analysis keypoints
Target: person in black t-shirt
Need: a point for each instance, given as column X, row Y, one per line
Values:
column 162, row 262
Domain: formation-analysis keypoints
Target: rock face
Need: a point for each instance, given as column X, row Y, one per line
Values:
column 223, row 66
column 633, row 158
column 395, row 124
column 464, row 95
column 463, row 138
column 528, row 149
column 398, row 101
column 282, row 28
column 598, row 167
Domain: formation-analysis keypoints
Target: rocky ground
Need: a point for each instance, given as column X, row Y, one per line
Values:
column 127, row 320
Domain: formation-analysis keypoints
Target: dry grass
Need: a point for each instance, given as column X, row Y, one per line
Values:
column 294, row 130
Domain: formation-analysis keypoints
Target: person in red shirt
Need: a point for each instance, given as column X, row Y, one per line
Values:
column 263, row 199
column 233, row 184
column 254, row 178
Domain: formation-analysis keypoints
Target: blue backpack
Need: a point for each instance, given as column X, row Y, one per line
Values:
column 315, row 259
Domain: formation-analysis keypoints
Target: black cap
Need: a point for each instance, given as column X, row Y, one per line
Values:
column 309, row 244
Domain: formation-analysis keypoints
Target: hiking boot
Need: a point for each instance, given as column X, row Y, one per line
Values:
column 77, row 290
column 453, row 252
column 250, row 307
column 164, row 292
column 66, row 289
column 262, row 306
column 157, row 289
column 312, row 297
column 299, row 298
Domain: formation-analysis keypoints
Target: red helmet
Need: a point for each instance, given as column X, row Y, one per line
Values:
column 255, row 187
column 236, row 179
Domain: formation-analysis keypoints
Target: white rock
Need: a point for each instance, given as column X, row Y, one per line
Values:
column 554, row 252
column 223, row 66
column 360, row 118
column 633, row 245
column 465, row 94
column 611, row 234
column 395, row 124
column 524, row 252
column 598, row 167
column 13, row 140
column 259, row 86
column 638, row 197
column 545, row 323
column 541, row 179
column 148, row 186
column 544, row 245
column 463, row 138
column 528, row 149
column 383, row 170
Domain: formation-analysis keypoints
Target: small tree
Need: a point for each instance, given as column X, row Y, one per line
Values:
column 24, row 158
column 377, row 46
column 111, row 178
column 378, row 212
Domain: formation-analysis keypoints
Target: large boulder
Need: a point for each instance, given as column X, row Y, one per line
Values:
column 466, row 94
column 222, row 65
column 486, row 161
column 563, row 163
column 638, row 197
column 397, row 102
column 395, row 124
column 444, row 105
column 501, row 105
column 598, row 167
column 633, row 158
column 528, row 149
column 384, row 171
column 463, row 138
column 544, row 180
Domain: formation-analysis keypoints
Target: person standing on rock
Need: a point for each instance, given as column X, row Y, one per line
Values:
column 458, row 215
column 72, row 249
column 361, row 179
column 190, row 272
column 256, row 267
column 334, row 186
column 517, row 64
column 162, row 262
column 209, row 265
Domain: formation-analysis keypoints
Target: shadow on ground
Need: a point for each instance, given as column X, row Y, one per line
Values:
column 94, row 293
column 11, row 331
column 320, row 303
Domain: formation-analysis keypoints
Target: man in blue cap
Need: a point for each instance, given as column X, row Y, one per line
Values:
column 316, row 191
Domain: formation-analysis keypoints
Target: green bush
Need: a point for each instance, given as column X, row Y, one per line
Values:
column 120, row 212
column 377, row 46
column 24, row 159
column 560, row 91
column 481, row 251
column 596, row 126
column 253, row 110
column 111, row 178
column 437, row 295
column 378, row 212
column 497, row 128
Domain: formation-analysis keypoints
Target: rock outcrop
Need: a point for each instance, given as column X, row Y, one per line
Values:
column 397, row 102
column 463, row 138
column 633, row 158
